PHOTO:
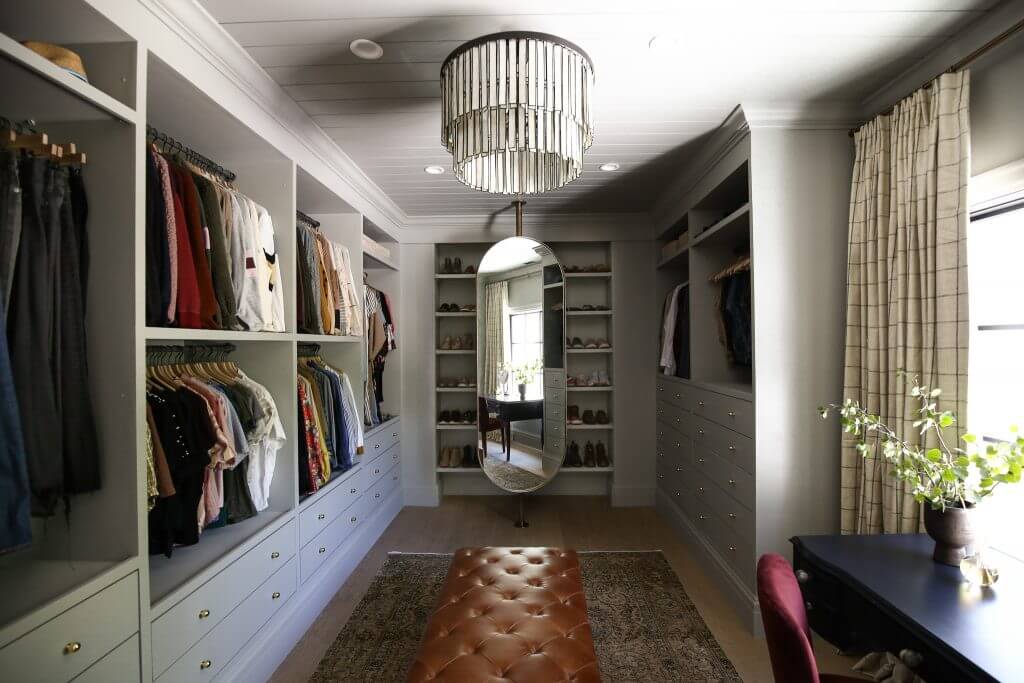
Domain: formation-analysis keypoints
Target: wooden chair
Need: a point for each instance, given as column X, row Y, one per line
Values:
column 487, row 423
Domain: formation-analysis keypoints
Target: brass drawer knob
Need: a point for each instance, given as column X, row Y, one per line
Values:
column 677, row 395
column 732, row 549
column 205, row 664
column 700, row 404
column 394, row 435
column 353, row 519
column 679, row 469
column 72, row 647
column 274, row 555
column 661, row 454
column 700, row 460
column 661, row 388
column 377, row 471
column 802, row 576
column 701, row 432
column 661, row 476
column 732, row 482
column 677, row 444
column 731, row 414
column 322, row 550
column 376, row 445
column 204, row 613
column 677, row 419
column 701, row 517
column 351, row 490
column 732, row 516
column 275, row 595
column 700, row 489
column 732, row 448
column 321, row 516
column 377, row 495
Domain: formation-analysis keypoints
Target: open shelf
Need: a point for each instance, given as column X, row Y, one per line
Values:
column 372, row 262
column 676, row 259
column 554, row 285
column 585, row 314
column 180, row 333
column 582, row 389
column 455, row 276
column 455, row 352
column 608, row 350
column 458, row 314
column 733, row 228
column 590, row 275
column 455, row 390
column 459, row 470
column 326, row 338
column 469, row 427
column 606, row 427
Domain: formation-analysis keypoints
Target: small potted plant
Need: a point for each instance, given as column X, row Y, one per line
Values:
column 949, row 479
column 524, row 374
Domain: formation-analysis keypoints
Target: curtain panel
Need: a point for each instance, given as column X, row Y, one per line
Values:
column 906, row 284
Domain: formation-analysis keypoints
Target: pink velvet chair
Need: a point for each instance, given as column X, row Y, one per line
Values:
column 785, row 625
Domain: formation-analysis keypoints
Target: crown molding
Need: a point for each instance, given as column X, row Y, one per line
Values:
column 200, row 31
column 822, row 115
column 552, row 227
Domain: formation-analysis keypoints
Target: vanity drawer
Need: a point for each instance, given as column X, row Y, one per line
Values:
column 735, row 413
column 381, row 439
column 185, row 624
column 317, row 551
column 380, row 465
column 123, row 664
column 68, row 644
column 327, row 505
column 732, row 446
column 673, row 392
column 678, row 418
column 207, row 658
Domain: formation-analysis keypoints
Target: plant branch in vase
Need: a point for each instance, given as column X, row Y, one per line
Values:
column 951, row 480
column 525, row 373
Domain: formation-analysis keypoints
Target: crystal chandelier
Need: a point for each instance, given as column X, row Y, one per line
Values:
column 515, row 112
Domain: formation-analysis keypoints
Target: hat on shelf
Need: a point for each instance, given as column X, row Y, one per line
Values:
column 61, row 56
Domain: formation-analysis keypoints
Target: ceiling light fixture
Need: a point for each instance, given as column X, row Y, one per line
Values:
column 515, row 112
column 365, row 48
column 434, row 170
column 610, row 166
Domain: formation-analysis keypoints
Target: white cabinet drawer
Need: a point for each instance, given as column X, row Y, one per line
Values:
column 182, row 626
column 673, row 392
column 317, row 551
column 325, row 506
column 207, row 658
column 380, row 465
column 554, row 377
column 554, row 413
column 379, row 493
column 69, row 643
column 382, row 438
column 123, row 665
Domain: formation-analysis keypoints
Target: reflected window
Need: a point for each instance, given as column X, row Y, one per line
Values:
column 526, row 341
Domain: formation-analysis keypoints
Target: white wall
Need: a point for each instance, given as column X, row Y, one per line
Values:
column 800, row 186
column 997, row 107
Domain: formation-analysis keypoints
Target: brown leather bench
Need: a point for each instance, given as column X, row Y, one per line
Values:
column 509, row 614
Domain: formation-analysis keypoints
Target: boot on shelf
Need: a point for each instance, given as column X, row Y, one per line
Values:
column 602, row 455
column 589, row 458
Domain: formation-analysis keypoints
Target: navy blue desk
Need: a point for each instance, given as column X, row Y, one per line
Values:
column 884, row 593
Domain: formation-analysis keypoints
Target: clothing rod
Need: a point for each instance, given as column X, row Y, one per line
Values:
column 306, row 219
column 963, row 63
column 204, row 162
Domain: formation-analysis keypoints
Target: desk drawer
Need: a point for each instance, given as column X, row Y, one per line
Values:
column 207, row 658
column 381, row 439
column 316, row 552
column 735, row 413
column 185, row 624
column 69, row 643
column 123, row 664
column 327, row 505
column 380, row 465
column 733, row 446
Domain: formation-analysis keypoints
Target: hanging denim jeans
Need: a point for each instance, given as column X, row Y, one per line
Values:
column 10, row 222
column 15, row 529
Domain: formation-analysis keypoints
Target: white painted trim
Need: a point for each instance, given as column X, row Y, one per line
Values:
column 826, row 115
column 261, row 656
column 737, row 593
column 1001, row 185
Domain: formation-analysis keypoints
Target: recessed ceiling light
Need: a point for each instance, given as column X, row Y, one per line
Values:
column 668, row 43
column 610, row 166
column 366, row 49
column 434, row 170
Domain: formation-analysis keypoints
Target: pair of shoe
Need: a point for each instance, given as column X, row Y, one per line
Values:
column 589, row 307
column 457, row 343
column 453, row 383
column 456, row 417
column 589, row 417
column 590, row 343
column 454, row 456
column 455, row 308
column 593, row 456
column 598, row 378
column 593, row 268
column 452, row 266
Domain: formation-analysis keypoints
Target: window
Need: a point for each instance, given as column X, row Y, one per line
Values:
column 995, row 242
column 526, row 342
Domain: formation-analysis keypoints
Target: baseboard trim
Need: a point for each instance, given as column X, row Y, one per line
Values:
column 636, row 496
column 738, row 594
column 258, row 660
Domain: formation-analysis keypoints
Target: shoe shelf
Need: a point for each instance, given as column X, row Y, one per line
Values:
column 326, row 338
column 458, row 470
column 564, row 469
column 459, row 314
column 573, row 314
column 455, row 390
column 455, row 276
column 608, row 350
column 187, row 334
column 591, row 275
column 607, row 427
column 456, row 427
column 455, row 352
column 608, row 389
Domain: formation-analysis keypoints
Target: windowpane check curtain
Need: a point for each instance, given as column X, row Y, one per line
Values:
column 906, row 284
column 495, row 310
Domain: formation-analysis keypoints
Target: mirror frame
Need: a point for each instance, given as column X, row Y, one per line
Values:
column 481, row 313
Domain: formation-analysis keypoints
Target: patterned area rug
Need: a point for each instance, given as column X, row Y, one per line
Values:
column 509, row 477
column 645, row 627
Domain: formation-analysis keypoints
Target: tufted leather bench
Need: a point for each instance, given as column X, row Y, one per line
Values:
column 509, row 615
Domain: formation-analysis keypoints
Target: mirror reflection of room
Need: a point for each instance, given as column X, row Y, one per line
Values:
column 517, row 410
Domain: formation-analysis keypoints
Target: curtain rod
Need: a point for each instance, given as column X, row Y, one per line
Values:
column 963, row 63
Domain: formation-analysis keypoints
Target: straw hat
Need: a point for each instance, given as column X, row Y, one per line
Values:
column 61, row 56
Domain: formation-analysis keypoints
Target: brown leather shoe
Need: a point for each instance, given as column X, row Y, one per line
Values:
column 467, row 456
column 602, row 417
column 572, row 415
column 588, row 417
column 588, row 456
column 602, row 455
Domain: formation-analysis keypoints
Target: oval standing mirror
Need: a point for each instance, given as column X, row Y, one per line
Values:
column 520, row 364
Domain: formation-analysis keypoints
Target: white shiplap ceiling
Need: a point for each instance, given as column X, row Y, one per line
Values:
column 651, row 105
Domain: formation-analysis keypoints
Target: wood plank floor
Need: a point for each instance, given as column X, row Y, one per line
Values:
column 582, row 523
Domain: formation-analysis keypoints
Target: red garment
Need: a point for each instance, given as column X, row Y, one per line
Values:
column 187, row 306
column 312, row 442
column 185, row 188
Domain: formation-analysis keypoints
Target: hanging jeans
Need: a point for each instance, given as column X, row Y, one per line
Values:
column 10, row 222
column 81, row 447
column 15, row 531
column 31, row 329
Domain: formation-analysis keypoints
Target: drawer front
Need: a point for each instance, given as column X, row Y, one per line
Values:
column 379, row 493
column 69, row 643
column 380, row 465
column 190, row 620
column 554, row 413
column 735, row 482
column 382, row 439
column 673, row 392
column 207, row 658
column 316, row 552
column 734, row 413
column 123, row 665
column 733, row 515
column 733, row 446
column 554, row 377
column 676, row 417
column 554, row 431
column 319, row 514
